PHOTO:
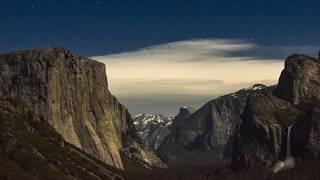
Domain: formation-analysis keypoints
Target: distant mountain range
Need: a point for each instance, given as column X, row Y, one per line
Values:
column 152, row 128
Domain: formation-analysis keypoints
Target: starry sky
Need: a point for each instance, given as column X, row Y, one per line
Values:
column 174, row 45
column 112, row 26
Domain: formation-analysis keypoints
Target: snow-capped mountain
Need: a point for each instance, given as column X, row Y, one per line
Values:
column 152, row 128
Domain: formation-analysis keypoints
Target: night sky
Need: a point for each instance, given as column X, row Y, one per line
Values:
column 163, row 54
column 112, row 26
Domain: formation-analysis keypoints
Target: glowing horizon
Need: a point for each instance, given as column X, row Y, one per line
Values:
column 178, row 73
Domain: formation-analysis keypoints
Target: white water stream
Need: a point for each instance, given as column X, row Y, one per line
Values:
column 289, row 161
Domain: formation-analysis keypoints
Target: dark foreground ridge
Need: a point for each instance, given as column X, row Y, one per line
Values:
column 34, row 150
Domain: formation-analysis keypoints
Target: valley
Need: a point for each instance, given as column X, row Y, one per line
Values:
column 60, row 121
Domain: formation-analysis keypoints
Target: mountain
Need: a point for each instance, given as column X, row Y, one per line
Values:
column 206, row 135
column 70, row 93
column 152, row 128
column 284, row 122
column 183, row 114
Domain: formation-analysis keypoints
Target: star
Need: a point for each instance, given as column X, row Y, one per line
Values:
column 203, row 10
column 84, row 44
column 54, row 19
column 99, row 21
column 155, row 2
column 75, row 17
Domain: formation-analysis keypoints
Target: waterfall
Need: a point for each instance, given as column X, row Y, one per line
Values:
column 289, row 161
column 288, row 155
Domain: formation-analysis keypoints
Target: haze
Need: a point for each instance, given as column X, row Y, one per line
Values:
column 162, row 78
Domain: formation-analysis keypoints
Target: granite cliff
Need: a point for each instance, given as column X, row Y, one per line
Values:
column 70, row 92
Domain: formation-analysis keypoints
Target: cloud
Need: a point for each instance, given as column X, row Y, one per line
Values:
column 276, row 52
column 192, row 50
column 167, row 95
column 142, row 87
column 155, row 78
column 195, row 59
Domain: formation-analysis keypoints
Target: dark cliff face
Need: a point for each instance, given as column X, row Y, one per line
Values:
column 207, row 134
column 71, row 93
column 261, row 138
column 183, row 114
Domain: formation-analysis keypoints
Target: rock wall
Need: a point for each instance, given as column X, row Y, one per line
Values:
column 71, row 93
column 299, row 80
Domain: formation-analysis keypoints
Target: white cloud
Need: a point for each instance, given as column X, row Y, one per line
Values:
column 181, row 51
column 193, row 68
column 197, row 59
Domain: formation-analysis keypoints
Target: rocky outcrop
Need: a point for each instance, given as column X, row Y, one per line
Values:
column 184, row 113
column 71, row 93
column 299, row 80
column 261, row 137
column 207, row 134
column 152, row 128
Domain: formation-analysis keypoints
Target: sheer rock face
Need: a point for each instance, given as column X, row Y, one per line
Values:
column 261, row 137
column 311, row 137
column 71, row 93
column 300, row 79
column 207, row 134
